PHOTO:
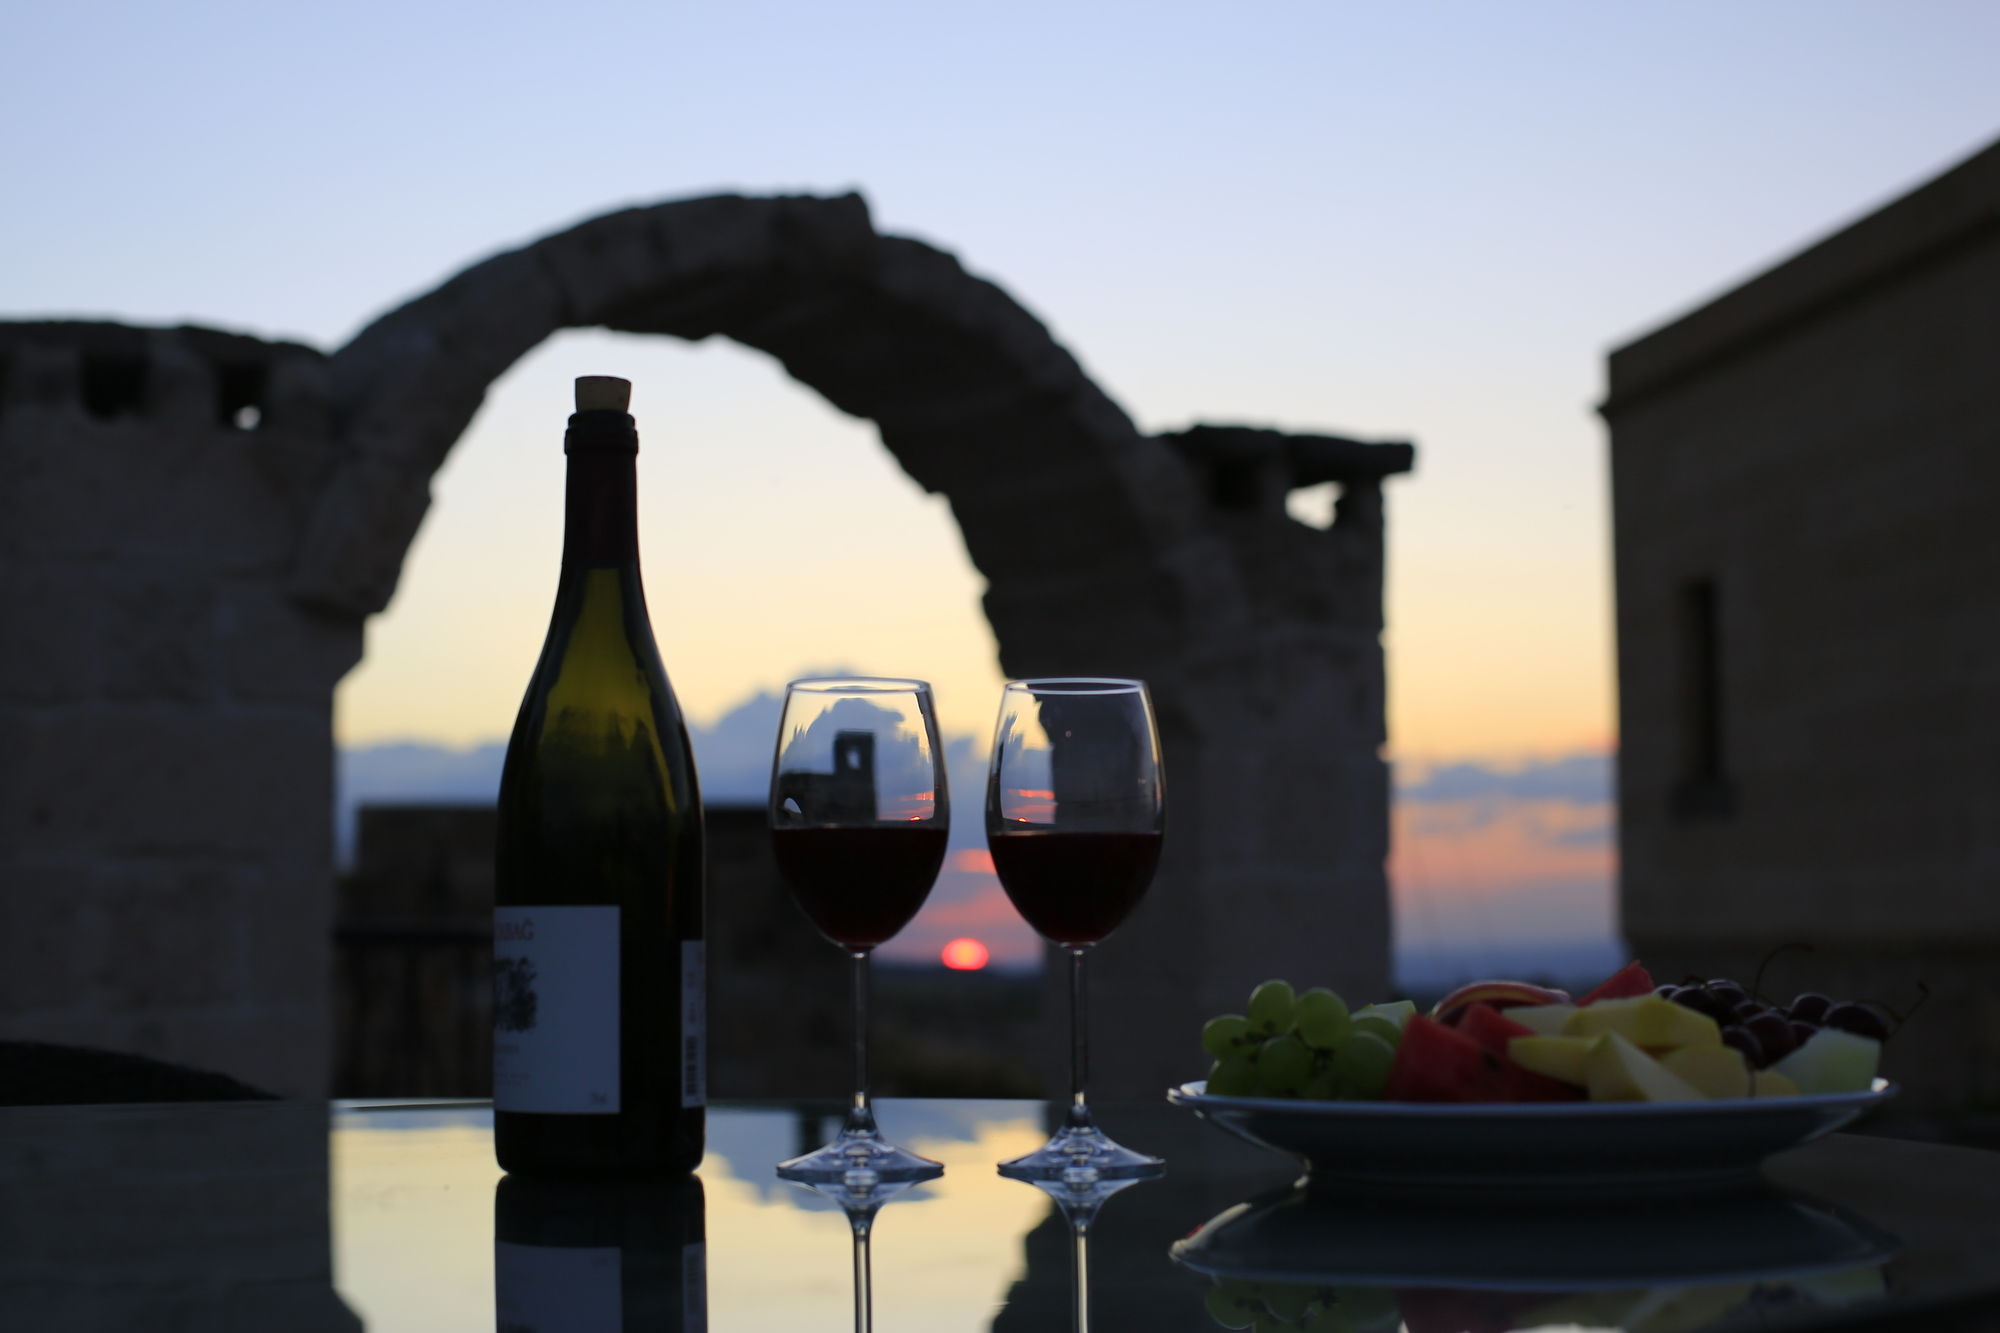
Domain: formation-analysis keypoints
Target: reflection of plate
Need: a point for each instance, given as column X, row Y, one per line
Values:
column 1532, row 1145
column 1319, row 1235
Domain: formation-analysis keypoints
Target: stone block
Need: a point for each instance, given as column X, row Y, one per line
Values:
column 173, row 938
column 273, row 650
column 109, row 490
column 53, row 617
column 163, row 782
column 157, row 638
column 352, row 552
column 52, row 940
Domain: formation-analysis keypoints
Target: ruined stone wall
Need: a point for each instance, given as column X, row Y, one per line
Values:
column 165, row 742
column 1818, row 450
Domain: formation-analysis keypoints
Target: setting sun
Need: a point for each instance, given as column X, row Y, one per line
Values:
column 964, row 955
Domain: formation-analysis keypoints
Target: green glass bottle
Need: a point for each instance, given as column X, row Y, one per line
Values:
column 599, row 994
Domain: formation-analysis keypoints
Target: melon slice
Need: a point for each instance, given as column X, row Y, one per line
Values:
column 1650, row 1021
column 1618, row 1071
column 1770, row 1083
column 1556, row 1057
column 1717, row 1072
column 1546, row 1019
column 1833, row 1061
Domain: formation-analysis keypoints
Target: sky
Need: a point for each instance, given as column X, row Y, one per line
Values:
column 1423, row 221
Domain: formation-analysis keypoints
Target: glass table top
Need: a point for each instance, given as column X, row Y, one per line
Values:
column 238, row 1216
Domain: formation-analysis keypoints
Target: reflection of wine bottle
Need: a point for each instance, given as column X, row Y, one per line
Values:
column 597, row 1256
column 598, row 1059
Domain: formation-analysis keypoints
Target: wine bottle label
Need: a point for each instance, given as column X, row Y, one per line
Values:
column 555, row 1010
column 552, row 1289
column 694, row 1023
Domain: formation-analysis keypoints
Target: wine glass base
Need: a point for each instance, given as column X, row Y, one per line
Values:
column 858, row 1161
column 1079, row 1155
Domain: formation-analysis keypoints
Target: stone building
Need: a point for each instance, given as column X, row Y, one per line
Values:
column 194, row 527
column 1805, row 475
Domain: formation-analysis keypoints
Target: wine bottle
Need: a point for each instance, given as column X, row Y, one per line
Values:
column 599, row 1256
column 599, row 1048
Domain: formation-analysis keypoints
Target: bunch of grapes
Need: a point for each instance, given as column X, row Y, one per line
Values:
column 1238, row 1303
column 1308, row 1045
column 1767, row 1033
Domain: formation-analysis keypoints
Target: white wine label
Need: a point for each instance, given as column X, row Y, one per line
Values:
column 694, row 1288
column 550, row 1289
column 694, row 1023
column 555, row 1010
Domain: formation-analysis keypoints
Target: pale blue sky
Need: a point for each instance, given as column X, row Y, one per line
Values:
column 1422, row 219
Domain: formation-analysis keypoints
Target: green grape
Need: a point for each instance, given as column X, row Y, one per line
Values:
column 1321, row 1018
column 1287, row 1301
column 1371, row 1308
column 1379, row 1026
column 1229, row 1309
column 1328, row 1319
column 1324, row 1085
column 1364, row 1064
column 1221, row 1036
column 1271, row 1007
column 1235, row 1076
column 1283, row 1065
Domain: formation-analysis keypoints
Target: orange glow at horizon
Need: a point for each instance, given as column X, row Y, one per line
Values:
column 965, row 954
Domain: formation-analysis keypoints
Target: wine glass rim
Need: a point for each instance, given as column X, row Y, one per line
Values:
column 1077, row 685
column 856, row 685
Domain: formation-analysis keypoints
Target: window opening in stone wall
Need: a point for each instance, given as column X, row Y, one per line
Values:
column 1704, row 791
column 239, row 395
column 114, row 386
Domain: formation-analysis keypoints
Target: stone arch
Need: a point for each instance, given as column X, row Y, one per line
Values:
column 1167, row 558
column 969, row 391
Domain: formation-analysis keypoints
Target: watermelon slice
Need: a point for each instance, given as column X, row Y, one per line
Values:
column 1626, row 982
column 1490, row 1028
column 1435, row 1063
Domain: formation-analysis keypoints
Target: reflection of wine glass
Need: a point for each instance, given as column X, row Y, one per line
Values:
column 1078, row 1197
column 859, row 816
column 861, row 1199
column 1075, row 811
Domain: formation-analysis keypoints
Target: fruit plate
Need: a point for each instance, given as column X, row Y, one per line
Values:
column 1532, row 1145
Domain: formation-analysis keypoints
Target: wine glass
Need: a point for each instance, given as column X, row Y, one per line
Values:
column 859, row 816
column 1075, row 813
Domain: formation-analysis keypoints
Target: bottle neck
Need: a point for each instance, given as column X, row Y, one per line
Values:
column 601, row 510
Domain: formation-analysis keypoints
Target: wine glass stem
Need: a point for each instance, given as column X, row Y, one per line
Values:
column 860, row 1116
column 864, row 1296
column 1080, row 1283
column 1079, row 1043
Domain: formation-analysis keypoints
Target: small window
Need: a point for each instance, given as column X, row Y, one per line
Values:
column 1704, row 790
column 239, row 395
column 114, row 386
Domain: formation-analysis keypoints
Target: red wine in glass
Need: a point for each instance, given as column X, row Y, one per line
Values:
column 1075, row 813
column 860, row 886
column 859, row 816
column 1074, row 888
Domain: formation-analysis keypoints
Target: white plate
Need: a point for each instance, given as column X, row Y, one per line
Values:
column 1532, row 1145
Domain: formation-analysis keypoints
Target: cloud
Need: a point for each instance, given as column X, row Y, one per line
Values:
column 1580, row 779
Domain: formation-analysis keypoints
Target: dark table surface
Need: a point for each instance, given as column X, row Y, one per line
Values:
column 236, row 1216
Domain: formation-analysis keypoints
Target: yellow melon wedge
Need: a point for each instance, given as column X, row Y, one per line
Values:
column 1651, row 1021
column 1618, row 1071
column 1545, row 1019
column 1770, row 1083
column 1557, row 1057
column 1717, row 1071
